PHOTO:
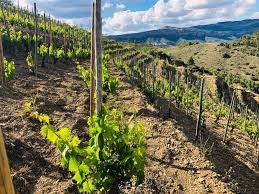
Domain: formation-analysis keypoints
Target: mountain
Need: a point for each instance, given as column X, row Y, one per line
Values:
column 223, row 31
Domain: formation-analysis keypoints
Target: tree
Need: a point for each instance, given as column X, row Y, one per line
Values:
column 190, row 61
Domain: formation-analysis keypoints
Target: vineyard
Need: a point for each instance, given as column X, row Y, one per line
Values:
column 84, row 114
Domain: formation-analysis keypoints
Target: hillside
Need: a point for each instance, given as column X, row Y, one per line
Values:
column 159, row 125
column 223, row 31
column 238, row 58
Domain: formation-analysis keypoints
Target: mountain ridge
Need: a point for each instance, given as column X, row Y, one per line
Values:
column 222, row 31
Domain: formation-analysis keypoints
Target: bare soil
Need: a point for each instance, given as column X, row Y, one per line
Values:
column 176, row 164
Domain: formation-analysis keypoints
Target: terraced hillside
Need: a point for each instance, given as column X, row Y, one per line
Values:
column 163, row 127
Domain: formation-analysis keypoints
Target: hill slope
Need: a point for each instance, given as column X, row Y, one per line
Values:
column 170, row 35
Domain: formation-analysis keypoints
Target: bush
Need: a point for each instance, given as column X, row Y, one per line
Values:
column 226, row 56
column 115, row 151
column 227, row 45
column 9, row 69
column 190, row 61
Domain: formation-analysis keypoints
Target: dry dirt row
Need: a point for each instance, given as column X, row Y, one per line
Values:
column 175, row 163
column 60, row 93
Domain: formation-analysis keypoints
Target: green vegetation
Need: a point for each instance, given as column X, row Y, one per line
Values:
column 115, row 151
column 184, row 94
column 30, row 62
column 9, row 69
column 190, row 61
column 109, row 83
column 232, row 61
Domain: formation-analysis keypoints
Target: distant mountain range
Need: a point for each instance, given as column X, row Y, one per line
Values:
column 223, row 31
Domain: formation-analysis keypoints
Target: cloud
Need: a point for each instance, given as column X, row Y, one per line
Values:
column 117, row 19
column 62, row 9
column 202, row 4
column 255, row 15
column 120, row 6
column 107, row 5
column 179, row 13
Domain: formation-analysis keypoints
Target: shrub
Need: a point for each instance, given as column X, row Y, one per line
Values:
column 30, row 62
column 9, row 69
column 115, row 151
column 226, row 56
column 190, row 61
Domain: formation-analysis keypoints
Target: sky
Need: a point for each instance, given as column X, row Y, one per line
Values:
column 128, row 16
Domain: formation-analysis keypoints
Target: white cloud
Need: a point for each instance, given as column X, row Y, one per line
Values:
column 107, row 5
column 202, row 4
column 255, row 15
column 120, row 6
column 179, row 13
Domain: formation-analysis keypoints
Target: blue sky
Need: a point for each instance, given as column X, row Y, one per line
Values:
column 127, row 16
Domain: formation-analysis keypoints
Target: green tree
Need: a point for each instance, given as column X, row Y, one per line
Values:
column 190, row 61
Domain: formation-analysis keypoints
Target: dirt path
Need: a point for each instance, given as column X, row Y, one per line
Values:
column 175, row 163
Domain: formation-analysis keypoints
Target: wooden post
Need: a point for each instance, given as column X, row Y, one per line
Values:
column 92, row 68
column 6, row 183
column 3, row 13
column 178, row 89
column 65, row 39
column 98, row 54
column 2, row 73
column 4, row 18
column 45, row 29
column 153, row 82
column 68, row 42
column 187, row 96
column 85, row 40
column 18, row 11
column 257, row 125
column 198, row 125
column 257, row 152
column 229, row 116
column 232, row 116
column 72, row 39
column 220, row 108
column 36, row 41
column 246, row 112
column 170, row 74
column 50, row 32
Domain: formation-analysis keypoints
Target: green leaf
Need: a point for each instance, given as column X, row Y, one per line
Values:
column 44, row 131
column 44, row 118
column 84, row 168
column 106, row 153
column 91, row 185
column 52, row 136
column 75, row 141
column 88, row 186
column 73, row 164
column 28, row 105
column 78, row 177
column 63, row 162
column 97, row 154
column 34, row 114
column 48, row 131
column 89, row 150
column 64, row 133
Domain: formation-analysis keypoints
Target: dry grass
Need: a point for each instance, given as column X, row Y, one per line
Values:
column 210, row 56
